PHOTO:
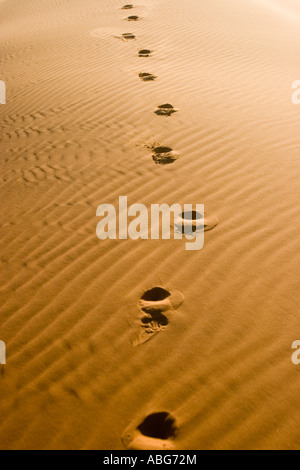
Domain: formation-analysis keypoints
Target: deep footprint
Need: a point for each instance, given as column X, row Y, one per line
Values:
column 158, row 431
column 160, row 300
column 154, row 318
column 127, row 7
column 133, row 18
column 159, row 426
column 128, row 36
column 192, row 221
column 156, row 294
column 164, row 155
column 147, row 77
column 145, row 53
column 165, row 110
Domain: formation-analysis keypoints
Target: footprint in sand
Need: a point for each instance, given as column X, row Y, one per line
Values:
column 192, row 221
column 133, row 18
column 165, row 110
column 164, row 155
column 158, row 431
column 145, row 53
column 156, row 306
column 127, row 7
column 147, row 77
column 128, row 36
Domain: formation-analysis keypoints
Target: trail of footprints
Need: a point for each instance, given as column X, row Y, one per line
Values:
column 157, row 305
column 161, row 155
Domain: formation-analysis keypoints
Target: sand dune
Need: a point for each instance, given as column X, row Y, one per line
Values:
column 78, row 130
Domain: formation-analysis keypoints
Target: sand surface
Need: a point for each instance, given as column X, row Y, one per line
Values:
column 76, row 132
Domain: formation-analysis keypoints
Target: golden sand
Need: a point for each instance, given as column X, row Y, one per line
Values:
column 77, row 129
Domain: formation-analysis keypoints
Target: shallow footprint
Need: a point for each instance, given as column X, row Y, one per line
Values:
column 145, row 53
column 165, row 110
column 151, row 324
column 158, row 431
column 127, row 7
column 147, row 77
column 164, row 155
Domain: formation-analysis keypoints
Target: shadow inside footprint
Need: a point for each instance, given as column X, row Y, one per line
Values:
column 154, row 321
column 159, row 426
column 189, row 222
column 147, row 77
column 165, row 110
column 128, row 36
column 158, row 431
column 145, row 53
column 127, row 7
column 191, row 215
column 160, row 300
column 133, row 18
column 156, row 294
column 164, row 155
